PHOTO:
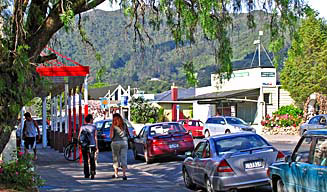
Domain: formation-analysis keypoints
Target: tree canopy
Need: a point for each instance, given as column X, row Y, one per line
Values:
column 305, row 68
column 29, row 26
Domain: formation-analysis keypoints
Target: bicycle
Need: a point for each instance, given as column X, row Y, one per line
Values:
column 71, row 149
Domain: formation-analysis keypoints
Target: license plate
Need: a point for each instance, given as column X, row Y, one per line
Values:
column 173, row 146
column 253, row 164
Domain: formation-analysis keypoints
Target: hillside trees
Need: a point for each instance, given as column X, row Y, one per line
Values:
column 31, row 24
column 305, row 68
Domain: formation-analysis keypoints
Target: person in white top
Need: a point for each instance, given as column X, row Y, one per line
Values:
column 30, row 130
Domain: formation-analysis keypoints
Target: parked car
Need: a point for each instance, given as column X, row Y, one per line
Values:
column 162, row 140
column 103, row 129
column 225, row 124
column 195, row 127
column 306, row 168
column 316, row 122
column 229, row 162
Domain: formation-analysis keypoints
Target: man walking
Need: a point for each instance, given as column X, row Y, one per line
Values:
column 29, row 134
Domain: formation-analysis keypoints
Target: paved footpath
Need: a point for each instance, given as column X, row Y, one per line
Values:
column 62, row 175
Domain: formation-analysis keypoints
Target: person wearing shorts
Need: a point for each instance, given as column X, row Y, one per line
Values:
column 30, row 131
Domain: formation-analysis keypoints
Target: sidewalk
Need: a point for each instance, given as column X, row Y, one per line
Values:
column 62, row 175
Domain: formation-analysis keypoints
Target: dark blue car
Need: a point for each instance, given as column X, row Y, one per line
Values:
column 306, row 169
column 103, row 128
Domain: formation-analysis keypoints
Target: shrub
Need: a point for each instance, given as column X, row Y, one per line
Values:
column 286, row 116
column 19, row 174
column 143, row 112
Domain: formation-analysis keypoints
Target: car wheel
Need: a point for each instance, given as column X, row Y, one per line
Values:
column 209, row 186
column 280, row 186
column 187, row 180
column 207, row 133
column 146, row 157
column 136, row 156
column 227, row 131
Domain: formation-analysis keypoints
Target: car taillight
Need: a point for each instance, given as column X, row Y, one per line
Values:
column 268, row 173
column 158, row 142
column 224, row 167
column 280, row 156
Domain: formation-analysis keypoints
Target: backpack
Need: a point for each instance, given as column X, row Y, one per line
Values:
column 85, row 139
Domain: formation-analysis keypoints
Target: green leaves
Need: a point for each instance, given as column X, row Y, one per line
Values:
column 304, row 69
column 143, row 112
column 67, row 18
column 191, row 76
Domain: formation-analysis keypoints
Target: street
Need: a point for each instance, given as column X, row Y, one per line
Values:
column 171, row 169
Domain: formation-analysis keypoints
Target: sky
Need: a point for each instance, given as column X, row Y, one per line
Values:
column 319, row 5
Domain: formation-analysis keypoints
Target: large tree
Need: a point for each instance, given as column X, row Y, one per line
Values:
column 30, row 24
column 305, row 68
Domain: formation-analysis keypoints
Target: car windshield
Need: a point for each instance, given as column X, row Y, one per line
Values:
column 165, row 129
column 235, row 121
column 238, row 143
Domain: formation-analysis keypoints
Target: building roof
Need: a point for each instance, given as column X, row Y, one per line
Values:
column 225, row 94
column 96, row 93
column 182, row 93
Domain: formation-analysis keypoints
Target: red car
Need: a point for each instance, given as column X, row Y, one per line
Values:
column 193, row 126
column 162, row 140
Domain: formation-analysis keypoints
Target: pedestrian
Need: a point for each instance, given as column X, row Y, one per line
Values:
column 89, row 151
column 119, row 144
column 29, row 134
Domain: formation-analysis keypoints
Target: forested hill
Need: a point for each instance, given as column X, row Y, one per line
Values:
column 124, row 64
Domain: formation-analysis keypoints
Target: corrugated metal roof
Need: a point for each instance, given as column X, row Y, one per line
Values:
column 96, row 93
column 182, row 93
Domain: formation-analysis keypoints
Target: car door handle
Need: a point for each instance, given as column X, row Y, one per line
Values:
column 320, row 173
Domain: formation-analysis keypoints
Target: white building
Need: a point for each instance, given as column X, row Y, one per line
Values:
column 250, row 94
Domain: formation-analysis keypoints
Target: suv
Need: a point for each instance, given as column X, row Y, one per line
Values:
column 306, row 168
column 225, row 124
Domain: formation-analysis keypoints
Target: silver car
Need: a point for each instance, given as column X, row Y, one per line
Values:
column 316, row 122
column 230, row 162
column 225, row 124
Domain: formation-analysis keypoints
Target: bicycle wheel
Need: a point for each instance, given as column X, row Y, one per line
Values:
column 69, row 152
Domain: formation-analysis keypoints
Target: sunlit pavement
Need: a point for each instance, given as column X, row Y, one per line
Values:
column 162, row 175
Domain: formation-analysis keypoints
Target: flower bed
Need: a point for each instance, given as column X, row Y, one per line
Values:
column 19, row 174
column 281, row 124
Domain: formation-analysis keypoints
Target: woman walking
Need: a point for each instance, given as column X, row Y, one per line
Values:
column 89, row 133
column 119, row 136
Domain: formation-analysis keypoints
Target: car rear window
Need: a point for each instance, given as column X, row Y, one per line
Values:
column 99, row 125
column 165, row 129
column 238, row 143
